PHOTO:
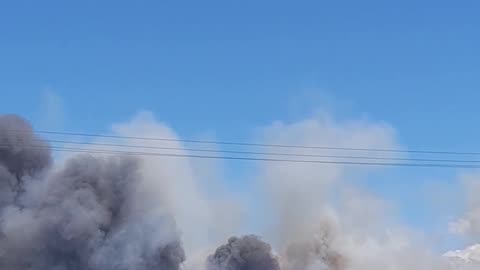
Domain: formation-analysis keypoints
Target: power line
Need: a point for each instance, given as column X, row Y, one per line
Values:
column 261, row 153
column 337, row 162
column 252, row 144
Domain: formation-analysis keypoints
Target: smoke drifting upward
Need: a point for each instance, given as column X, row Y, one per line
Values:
column 112, row 212
column 321, row 220
column 85, row 216
column 244, row 253
column 316, row 252
column 18, row 160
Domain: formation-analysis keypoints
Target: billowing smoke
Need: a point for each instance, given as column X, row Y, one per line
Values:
column 115, row 212
column 243, row 253
column 322, row 220
column 18, row 160
column 84, row 216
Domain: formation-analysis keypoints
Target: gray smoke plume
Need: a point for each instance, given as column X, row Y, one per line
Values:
column 321, row 218
column 244, row 253
column 85, row 216
column 19, row 161
column 117, row 213
column 315, row 252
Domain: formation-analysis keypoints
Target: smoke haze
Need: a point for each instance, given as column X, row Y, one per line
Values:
column 91, row 212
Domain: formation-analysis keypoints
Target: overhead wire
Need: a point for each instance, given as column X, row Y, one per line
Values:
column 338, row 162
column 214, row 142
column 261, row 153
column 273, row 156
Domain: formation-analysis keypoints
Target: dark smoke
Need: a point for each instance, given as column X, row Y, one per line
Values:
column 19, row 161
column 244, row 253
column 82, row 217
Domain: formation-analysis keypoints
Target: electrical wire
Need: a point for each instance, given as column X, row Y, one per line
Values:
column 250, row 144
column 140, row 153
column 262, row 153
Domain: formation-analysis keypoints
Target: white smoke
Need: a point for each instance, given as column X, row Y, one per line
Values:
column 468, row 225
column 117, row 213
column 184, row 184
column 322, row 221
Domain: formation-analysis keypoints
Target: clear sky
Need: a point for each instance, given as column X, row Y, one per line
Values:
column 228, row 67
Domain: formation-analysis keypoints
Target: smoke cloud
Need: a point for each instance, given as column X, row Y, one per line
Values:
column 321, row 219
column 87, row 215
column 205, row 212
column 93, row 212
column 18, row 161
column 244, row 253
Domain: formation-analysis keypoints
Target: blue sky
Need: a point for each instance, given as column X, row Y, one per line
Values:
column 228, row 67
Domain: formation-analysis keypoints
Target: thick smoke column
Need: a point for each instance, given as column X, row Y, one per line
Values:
column 85, row 216
column 244, row 253
column 18, row 159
